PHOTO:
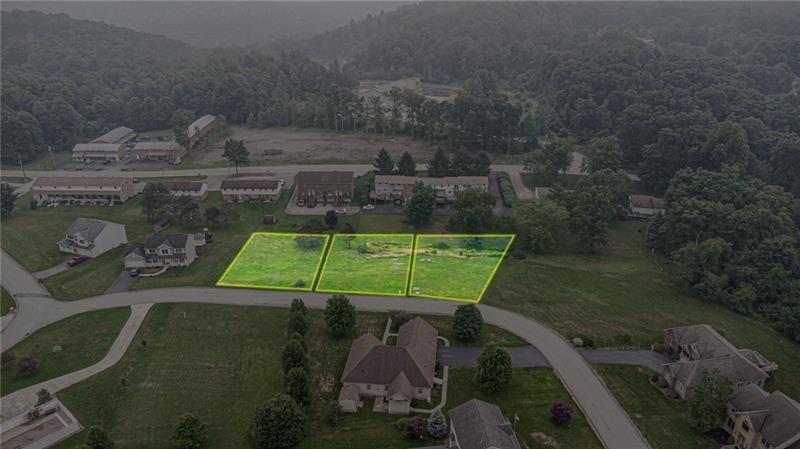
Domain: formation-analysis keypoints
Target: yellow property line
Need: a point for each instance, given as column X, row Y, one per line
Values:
column 357, row 292
column 222, row 283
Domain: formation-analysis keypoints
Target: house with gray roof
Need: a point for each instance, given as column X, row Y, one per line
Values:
column 476, row 424
column 200, row 128
column 756, row 419
column 700, row 348
column 394, row 375
column 90, row 237
column 162, row 250
column 119, row 135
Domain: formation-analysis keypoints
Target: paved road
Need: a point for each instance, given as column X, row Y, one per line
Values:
column 21, row 400
column 611, row 424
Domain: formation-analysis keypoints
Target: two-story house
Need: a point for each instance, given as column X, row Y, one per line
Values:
column 756, row 419
column 160, row 250
column 90, row 237
column 476, row 424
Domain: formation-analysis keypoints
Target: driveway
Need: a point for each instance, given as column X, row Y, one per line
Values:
column 52, row 271
column 521, row 357
column 641, row 357
column 122, row 283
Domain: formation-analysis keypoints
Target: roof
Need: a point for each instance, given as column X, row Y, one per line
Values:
column 133, row 248
column 349, row 392
column 193, row 186
column 702, row 341
column 157, row 146
column 87, row 228
column 76, row 181
column 325, row 177
column 401, row 386
column 173, row 240
column 410, row 180
column 734, row 367
column 372, row 361
column 646, row 201
column 252, row 183
column 199, row 124
column 481, row 425
column 774, row 415
column 96, row 147
column 113, row 136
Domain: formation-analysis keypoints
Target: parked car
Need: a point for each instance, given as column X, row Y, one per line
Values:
column 134, row 272
column 77, row 260
column 368, row 207
column 341, row 210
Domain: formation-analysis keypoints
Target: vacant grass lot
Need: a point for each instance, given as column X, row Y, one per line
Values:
column 65, row 346
column 373, row 264
column 90, row 278
column 221, row 362
column 277, row 261
column 530, row 395
column 455, row 267
column 662, row 421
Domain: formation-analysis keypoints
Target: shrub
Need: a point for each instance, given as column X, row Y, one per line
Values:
column 33, row 204
column 437, row 425
column 297, row 385
column 340, row 315
column 43, row 396
column 190, row 433
column 299, row 283
column 296, row 324
column 414, row 428
column 27, row 366
column 467, row 322
column 400, row 424
column 298, row 306
column 97, row 438
column 298, row 338
column 333, row 411
column 293, row 356
column 494, row 369
column 399, row 317
column 363, row 249
column 6, row 359
column 560, row 413
column 279, row 423
column 33, row 415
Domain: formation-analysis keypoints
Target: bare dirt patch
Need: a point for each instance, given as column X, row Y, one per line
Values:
column 291, row 145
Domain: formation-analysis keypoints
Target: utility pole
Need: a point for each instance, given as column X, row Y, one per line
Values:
column 52, row 157
column 21, row 167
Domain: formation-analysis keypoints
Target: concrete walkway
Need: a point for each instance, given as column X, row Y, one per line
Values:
column 21, row 400
column 52, row 271
column 605, row 415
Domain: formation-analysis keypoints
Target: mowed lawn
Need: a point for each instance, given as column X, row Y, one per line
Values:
column 6, row 301
column 65, row 346
column 282, row 261
column 455, row 267
column 369, row 264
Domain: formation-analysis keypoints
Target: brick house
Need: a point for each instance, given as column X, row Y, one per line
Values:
column 756, row 419
column 121, row 135
column 93, row 190
column 98, row 152
column 159, row 151
column 196, row 190
column 237, row 190
column 325, row 187
column 200, row 128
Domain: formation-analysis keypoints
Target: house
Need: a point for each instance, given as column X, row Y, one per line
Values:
column 93, row 190
column 643, row 206
column 324, row 187
column 159, row 151
column 119, row 135
column 162, row 250
column 90, row 237
column 397, row 374
column 400, row 188
column 756, row 419
column 196, row 190
column 200, row 128
column 261, row 190
column 476, row 424
column 700, row 348
column 98, row 152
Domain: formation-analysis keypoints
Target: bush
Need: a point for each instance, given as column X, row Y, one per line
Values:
column 340, row 315
column 560, row 413
column 507, row 193
column 97, row 438
column 27, row 366
column 298, row 338
column 297, row 385
column 437, row 425
column 414, row 428
column 399, row 317
column 400, row 424
column 296, row 323
column 43, row 396
column 190, row 433
column 494, row 369
column 279, row 423
column 467, row 322
column 293, row 356
column 33, row 204
column 298, row 306
column 333, row 412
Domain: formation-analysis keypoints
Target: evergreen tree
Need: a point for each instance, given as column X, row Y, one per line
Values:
column 467, row 322
column 7, row 198
column 481, row 165
column 298, row 306
column 384, row 165
column 340, row 315
column 494, row 369
column 191, row 433
column 97, row 438
column 279, row 423
column 439, row 166
column 296, row 323
column 294, row 356
column 297, row 385
column 437, row 425
column 407, row 166
column 419, row 209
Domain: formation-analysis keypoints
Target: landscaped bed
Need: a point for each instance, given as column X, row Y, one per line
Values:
column 277, row 261
column 456, row 267
column 376, row 264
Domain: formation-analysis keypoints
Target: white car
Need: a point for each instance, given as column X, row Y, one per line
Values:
column 368, row 207
column 341, row 210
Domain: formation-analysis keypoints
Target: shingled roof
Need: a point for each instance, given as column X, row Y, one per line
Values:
column 269, row 184
column 325, row 177
column 113, row 136
column 183, row 186
column 199, row 124
column 774, row 415
column 87, row 228
column 173, row 240
column 734, row 367
column 481, row 425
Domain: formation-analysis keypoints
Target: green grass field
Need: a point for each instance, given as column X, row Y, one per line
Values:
column 6, row 302
column 368, row 264
column 456, row 267
column 277, row 261
column 65, row 346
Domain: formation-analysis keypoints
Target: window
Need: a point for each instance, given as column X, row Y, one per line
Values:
column 164, row 251
column 745, row 427
column 729, row 423
column 369, row 387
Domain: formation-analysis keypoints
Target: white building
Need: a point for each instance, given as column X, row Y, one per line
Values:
column 397, row 187
column 260, row 190
column 92, row 190
column 196, row 190
column 90, row 237
column 173, row 250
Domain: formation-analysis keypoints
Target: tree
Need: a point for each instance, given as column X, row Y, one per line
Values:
column 707, row 404
column 467, row 322
column 414, row 428
column 474, row 212
column 340, row 315
column 212, row 215
column 191, row 432
column 540, row 224
column 43, row 396
column 460, row 165
column 481, row 165
column 7, row 198
column 494, row 368
column 603, row 153
column 27, row 366
column 439, row 166
column 407, row 166
column 726, row 144
column 297, row 385
column 437, row 425
column 331, row 218
column 185, row 211
column 548, row 161
column 279, row 423
column 298, row 306
column 296, row 323
column 236, row 153
column 180, row 121
column 384, row 165
column 293, row 356
column 560, row 413
column 97, row 438
column 156, row 201
column 419, row 208
column 590, row 217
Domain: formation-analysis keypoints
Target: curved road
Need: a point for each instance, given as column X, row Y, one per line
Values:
column 606, row 416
